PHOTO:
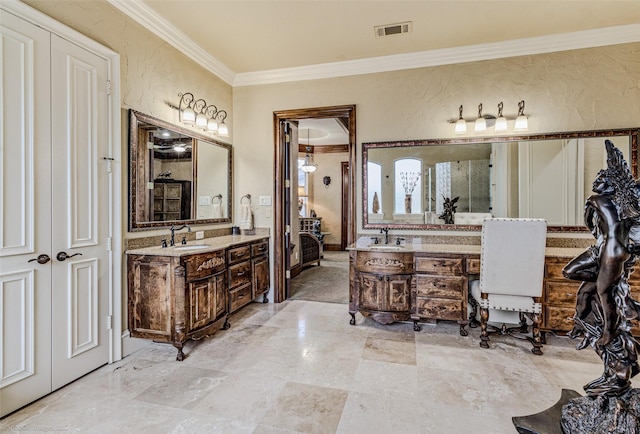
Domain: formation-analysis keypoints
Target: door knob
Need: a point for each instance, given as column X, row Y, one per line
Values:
column 61, row 256
column 42, row 259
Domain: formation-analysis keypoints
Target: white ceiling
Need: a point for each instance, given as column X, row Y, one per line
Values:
column 254, row 42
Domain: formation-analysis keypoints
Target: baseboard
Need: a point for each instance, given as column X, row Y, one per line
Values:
column 332, row 247
column 295, row 270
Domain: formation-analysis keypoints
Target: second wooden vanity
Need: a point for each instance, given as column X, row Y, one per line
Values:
column 426, row 283
column 188, row 291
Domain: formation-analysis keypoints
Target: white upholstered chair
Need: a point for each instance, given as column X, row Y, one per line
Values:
column 511, row 276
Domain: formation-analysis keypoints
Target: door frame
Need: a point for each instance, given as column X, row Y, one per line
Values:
column 113, row 160
column 281, row 190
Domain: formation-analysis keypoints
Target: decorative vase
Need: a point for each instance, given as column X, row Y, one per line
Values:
column 376, row 203
column 407, row 203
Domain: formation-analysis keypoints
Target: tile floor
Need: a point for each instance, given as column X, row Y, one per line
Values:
column 299, row 367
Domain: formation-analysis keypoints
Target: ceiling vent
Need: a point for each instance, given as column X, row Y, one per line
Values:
column 392, row 29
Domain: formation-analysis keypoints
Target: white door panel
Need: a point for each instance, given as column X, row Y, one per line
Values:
column 80, row 296
column 25, row 214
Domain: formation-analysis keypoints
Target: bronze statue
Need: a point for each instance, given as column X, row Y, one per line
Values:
column 449, row 208
column 604, row 306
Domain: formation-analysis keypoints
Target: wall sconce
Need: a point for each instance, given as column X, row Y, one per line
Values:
column 522, row 123
column 484, row 121
column 326, row 181
column 192, row 111
column 461, row 124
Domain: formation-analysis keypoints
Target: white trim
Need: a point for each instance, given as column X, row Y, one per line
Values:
column 153, row 22
column 156, row 24
column 448, row 56
column 114, row 146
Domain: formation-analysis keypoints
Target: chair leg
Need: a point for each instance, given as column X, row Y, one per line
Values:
column 484, row 335
column 537, row 340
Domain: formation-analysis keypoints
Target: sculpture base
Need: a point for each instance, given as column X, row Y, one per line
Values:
column 613, row 415
column 547, row 421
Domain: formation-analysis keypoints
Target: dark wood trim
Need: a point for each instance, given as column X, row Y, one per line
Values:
column 343, row 111
column 324, row 149
column 332, row 247
column 344, row 184
column 296, row 270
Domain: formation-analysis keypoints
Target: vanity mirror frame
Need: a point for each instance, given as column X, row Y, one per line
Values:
column 604, row 134
column 139, row 171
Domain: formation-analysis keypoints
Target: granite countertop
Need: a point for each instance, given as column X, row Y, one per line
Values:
column 471, row 249
column 208, row 245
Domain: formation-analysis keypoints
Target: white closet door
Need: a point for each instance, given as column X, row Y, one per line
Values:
column 25, row 214
column 79, row 213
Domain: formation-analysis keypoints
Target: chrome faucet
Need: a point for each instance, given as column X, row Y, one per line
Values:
column 386, row 234
column 174, row 229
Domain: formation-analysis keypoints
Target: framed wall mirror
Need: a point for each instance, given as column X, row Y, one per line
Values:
column 408, row 184
column 176, row 176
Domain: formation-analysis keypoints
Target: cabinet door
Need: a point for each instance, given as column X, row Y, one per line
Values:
column 260, row 275
column 397, row 292
column 371, row 289
column 207, row 301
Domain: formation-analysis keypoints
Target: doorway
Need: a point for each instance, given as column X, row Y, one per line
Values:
column 283, row 174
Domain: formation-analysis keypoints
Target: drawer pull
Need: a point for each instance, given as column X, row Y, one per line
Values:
column 568, row 294
column 240, row 273
column 262, row 248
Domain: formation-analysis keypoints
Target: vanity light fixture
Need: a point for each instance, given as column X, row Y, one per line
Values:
column 481, row 123
column 485, row 121
column 501, row 121
column 192, row 111
column 522, row 123
column 461, row 124
column 309, row 166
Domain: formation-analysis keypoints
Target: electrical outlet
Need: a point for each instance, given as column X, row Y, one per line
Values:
column 265, row 200
column 199, row 235
column 295, row 255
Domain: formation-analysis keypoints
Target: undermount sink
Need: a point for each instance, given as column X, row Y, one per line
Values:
column 385, row 247
column 192, row 247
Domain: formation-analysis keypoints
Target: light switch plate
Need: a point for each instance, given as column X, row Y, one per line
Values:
column 265, row 200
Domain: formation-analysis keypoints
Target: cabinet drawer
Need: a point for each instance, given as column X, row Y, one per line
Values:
column 562, row 293
column 554, row 266
column 205, row 264
column 473, row 266
column 436, row 308
column 239, row 297
column 237, row 254
column 440, row 266
column 442, row 287
column 385, row 262
column 261, row 248
column 559, row 318
column 239, row 274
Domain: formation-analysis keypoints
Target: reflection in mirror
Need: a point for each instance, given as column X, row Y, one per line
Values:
column 165, row 161
column 407, row 184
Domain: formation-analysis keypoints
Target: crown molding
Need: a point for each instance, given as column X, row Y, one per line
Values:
column 446, row 56
column 153, row 22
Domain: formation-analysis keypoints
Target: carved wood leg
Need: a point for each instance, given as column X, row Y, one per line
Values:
column 352, row 321
column 484, row 336
column 537, row 341
column 226, row 325
column 473, row 321
column 523, row 323
column 463, row 331
column 416, row 326
column 265, row 298
column 180, row 355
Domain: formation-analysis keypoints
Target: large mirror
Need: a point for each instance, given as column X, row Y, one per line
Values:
column 176, row 176
column 412, row 184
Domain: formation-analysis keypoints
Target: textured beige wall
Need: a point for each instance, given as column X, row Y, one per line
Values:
column 152, row 72
column 327, row 201
column 574, row 90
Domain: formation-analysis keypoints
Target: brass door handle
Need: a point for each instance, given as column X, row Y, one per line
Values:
column 42, row 259
column 61, row 256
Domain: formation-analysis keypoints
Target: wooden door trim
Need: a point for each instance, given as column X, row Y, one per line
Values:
column 344, row 111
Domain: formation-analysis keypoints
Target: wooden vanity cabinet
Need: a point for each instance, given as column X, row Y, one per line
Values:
column 173, row 299
column 559, row 301
column 441, row 290
column 248, row 273
column 380, row 285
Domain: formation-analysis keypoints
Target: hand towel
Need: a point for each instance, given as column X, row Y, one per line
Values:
column 246, row 217
column 216, row 211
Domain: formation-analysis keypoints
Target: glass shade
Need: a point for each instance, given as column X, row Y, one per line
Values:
column 481, row 124
column 188, row 116
column 501, row 124
column 223, row 130
column 212, row 125
column 201, row 120
column 522, row 123
column 461, row 126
